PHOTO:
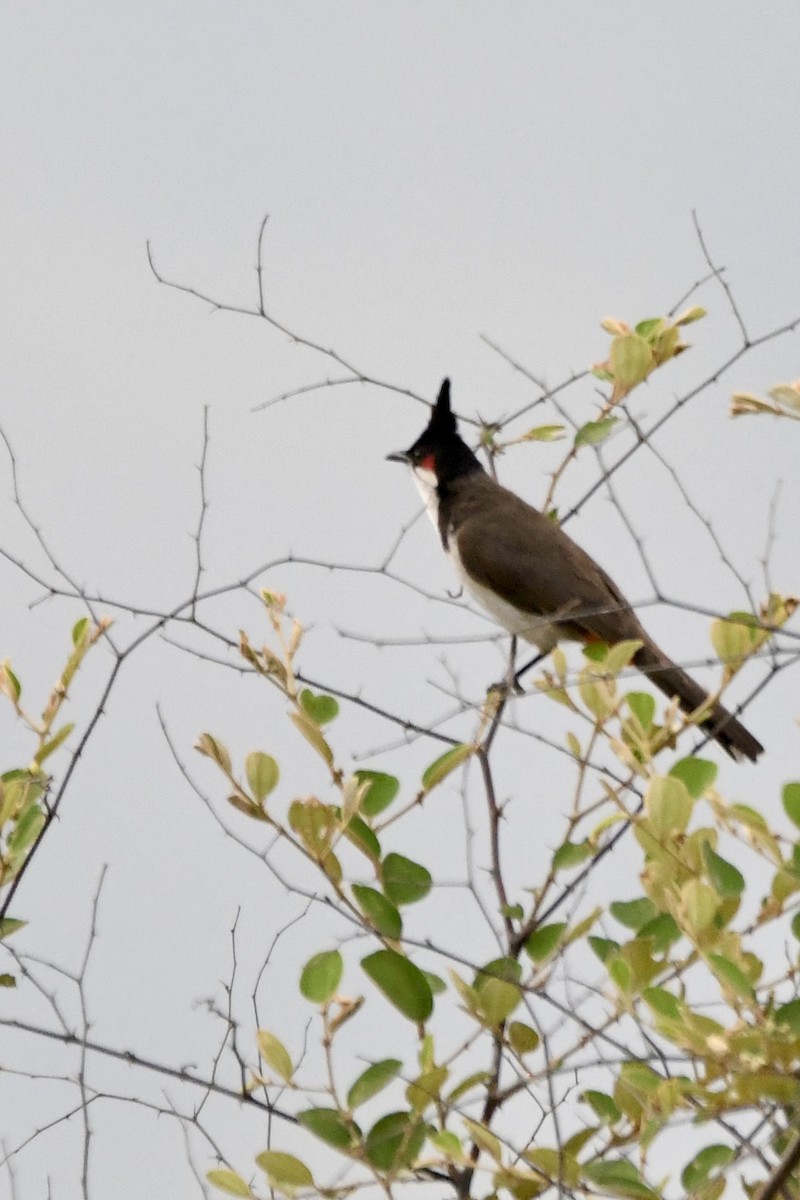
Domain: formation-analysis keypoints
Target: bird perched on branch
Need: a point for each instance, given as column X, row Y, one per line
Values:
column 529, row 574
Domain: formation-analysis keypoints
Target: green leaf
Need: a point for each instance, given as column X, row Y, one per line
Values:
column 212, row 748
column 620, row 655
column 700, row 904
column 634, row 914
column 599, row 371
column 732, row 975
column 329, row 1126
column 311, row 732
column 573, row 745
column 631, row 359
column 394, row 1141
column 749, row 816
column 80, row 632
column 317, row 824
column 363, row 838
column 662, row 1002
column 603, row 1106
column 19, row 790
column 767, row 1085
column 667, row 344
column 621, row 974
column 594, row 432
column 641, row 1077
column 8, row 802
column 284, row 1171
column 450, row 1146
column 402, row 983
column 497, row 998
column 403, row 880
column 228, row 1181
column 274, row 1053
column 262, row 774
column 372, row 1081
column 426, row 1089
column 555, row 1164
column 499, row 968
column 695, row 313
column 478, row 1079
column 426, row 1054
column 247, row 806
column 663, row 930
column 571, row 854
column 26, row 830
column 484, row 1138
column 726, row 879
column 437, row 984
column 544, row 433
column 544, row 941
column 620, row 1179
column 704, row 1164
column 789, row 1015
column 9, row 925
column 649, row 326
column 15, row 775
column 796, row 925
column 580, row 930
column 382, row 791
column 320, row 709
column 443, row 766
column 598, row 695
column 522, row 1038
column 56, row 740
column 603, row 947
column 791, row 802
column 9, row 682
column 321, row 976
column 381, row 913
column 669, row 805
column 786, row 883
column 697, row 774
column 643, row 707
column 731, row 640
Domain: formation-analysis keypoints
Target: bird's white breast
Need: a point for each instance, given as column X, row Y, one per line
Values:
column 426, row 486
column 531, row 628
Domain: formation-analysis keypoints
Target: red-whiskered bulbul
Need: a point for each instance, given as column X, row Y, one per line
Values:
column 529, row 574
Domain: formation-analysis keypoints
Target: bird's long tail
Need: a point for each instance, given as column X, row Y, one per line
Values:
column 722, row 725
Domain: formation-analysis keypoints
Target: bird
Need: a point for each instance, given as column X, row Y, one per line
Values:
column 531, row 577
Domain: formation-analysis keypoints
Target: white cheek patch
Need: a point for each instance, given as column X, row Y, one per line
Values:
column 426, row 486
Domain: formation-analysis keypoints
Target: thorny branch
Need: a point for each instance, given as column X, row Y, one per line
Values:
column 596, row 1029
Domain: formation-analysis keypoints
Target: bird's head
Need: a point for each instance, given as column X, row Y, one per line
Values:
column 438, row 454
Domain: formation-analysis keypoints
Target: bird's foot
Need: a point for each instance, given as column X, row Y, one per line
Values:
column 508, row 686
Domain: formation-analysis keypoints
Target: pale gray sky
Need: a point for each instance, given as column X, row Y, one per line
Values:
column 432, row 172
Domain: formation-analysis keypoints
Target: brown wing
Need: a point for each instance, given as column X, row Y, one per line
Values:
column 525, row 558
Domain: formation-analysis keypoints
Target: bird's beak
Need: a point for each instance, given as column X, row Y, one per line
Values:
column 398, row 456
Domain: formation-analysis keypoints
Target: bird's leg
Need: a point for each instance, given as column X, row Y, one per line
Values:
column 518, row 675
column 508, row 683
column 511, row 679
